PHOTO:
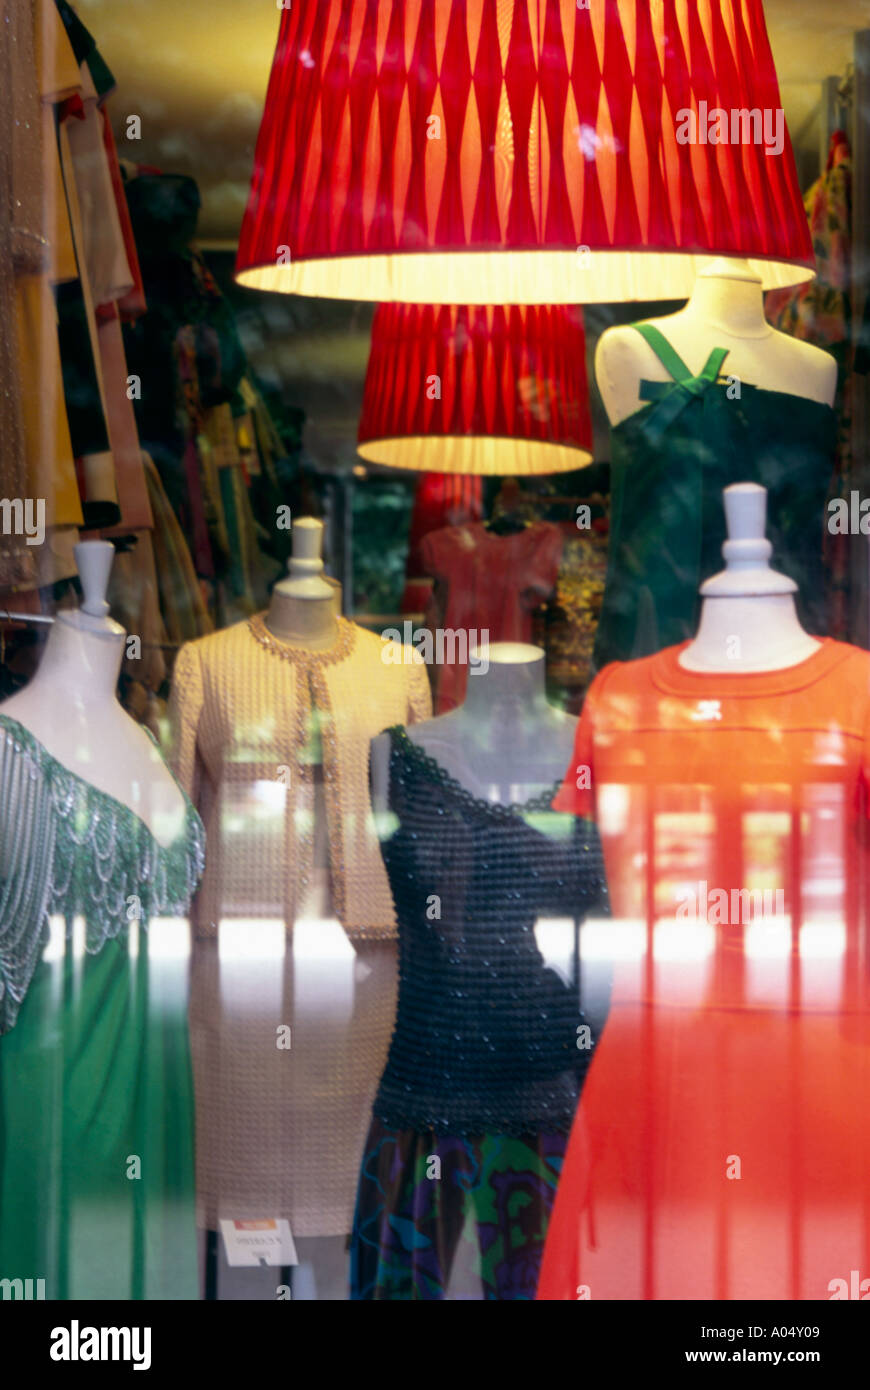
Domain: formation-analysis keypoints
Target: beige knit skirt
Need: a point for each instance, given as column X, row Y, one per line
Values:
column 281, row 1129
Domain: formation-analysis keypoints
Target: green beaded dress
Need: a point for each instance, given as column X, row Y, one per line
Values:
column 96, row 1098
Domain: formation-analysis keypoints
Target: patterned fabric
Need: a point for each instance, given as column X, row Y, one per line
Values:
column 22, row 250
column 576, row 609
column 439, row 1216
column 353, row 180
column 75, row 850
column 820, row 313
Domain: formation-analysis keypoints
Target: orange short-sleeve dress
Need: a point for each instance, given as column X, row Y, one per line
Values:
column 721, row 1149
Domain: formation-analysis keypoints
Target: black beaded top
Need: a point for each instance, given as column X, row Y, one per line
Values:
column 486, row 1035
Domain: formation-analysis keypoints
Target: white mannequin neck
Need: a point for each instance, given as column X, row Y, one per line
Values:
column 71, row 707
column 307, row 622
column 748, row 634
column 304, row 606
column 748, row 617
column 506, row 741
column 82, row 657
column 728, row 299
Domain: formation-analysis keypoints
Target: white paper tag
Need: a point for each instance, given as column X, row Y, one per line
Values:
column 263, row 1241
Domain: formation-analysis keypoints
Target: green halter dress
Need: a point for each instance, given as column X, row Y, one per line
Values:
column 96, row 1101
column 670, row 461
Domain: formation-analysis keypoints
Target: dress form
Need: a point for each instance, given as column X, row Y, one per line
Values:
column 505, row 743
column 748, row 618
column 303, row 607
column 71, row 707
column 726, row 309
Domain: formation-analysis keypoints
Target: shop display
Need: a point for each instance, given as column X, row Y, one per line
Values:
column 96, row 1104
column 272, row 721
column 490, row 1045
column 727, row 400
column 434, row 784
column 737, row 1164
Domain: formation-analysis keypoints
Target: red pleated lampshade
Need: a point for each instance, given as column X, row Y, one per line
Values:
column 408, row 145
column 477, row 389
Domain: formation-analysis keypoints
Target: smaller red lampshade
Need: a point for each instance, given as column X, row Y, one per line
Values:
column 477, row 389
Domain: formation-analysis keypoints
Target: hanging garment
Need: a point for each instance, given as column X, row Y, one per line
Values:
column 721, row 1148
column 490, row 1045
column 23, row 252
column 576, row 608
column 51, row 472
column 440, row 500
column 183, row 611
column 188, row 350
column 96, row 1105
column 820, row 312
column 494, row 583
column 295, row 921
column 670, row 461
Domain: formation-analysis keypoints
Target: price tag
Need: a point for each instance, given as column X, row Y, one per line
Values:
column 265, row 1241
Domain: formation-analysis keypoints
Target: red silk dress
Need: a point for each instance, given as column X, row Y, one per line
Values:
column 721, row 1149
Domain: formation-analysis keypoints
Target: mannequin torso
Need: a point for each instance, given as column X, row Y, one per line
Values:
column 726, row 310
column 71, row 707
column 505, row 744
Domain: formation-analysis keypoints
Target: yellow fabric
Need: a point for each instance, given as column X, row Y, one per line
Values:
column 100, row 484
column 58, row 78
column 50, row 465
column 239, row 715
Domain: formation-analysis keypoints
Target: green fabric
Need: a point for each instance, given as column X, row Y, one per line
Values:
column 70, row 849
column 96, row 1095
column 670, row 461
column 97, row 1072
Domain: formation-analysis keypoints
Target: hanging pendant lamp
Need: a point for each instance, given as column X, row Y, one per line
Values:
column 520, row 152
column 477, row 389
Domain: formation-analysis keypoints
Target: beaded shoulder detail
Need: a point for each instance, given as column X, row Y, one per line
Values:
column 71, row 849
column 298, row 656
column 402, row 745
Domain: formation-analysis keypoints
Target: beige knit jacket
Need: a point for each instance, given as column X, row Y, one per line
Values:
column 241, row 713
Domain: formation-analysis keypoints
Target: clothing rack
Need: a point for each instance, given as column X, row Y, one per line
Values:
column 46, row 620
column 41, row 619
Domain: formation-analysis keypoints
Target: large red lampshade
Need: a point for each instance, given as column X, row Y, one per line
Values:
column 408, row 145
column 477, row 389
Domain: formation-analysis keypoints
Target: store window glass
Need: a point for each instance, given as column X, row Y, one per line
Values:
column 434, row 676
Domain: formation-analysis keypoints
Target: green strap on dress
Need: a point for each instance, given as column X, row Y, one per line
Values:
column 673, row 396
